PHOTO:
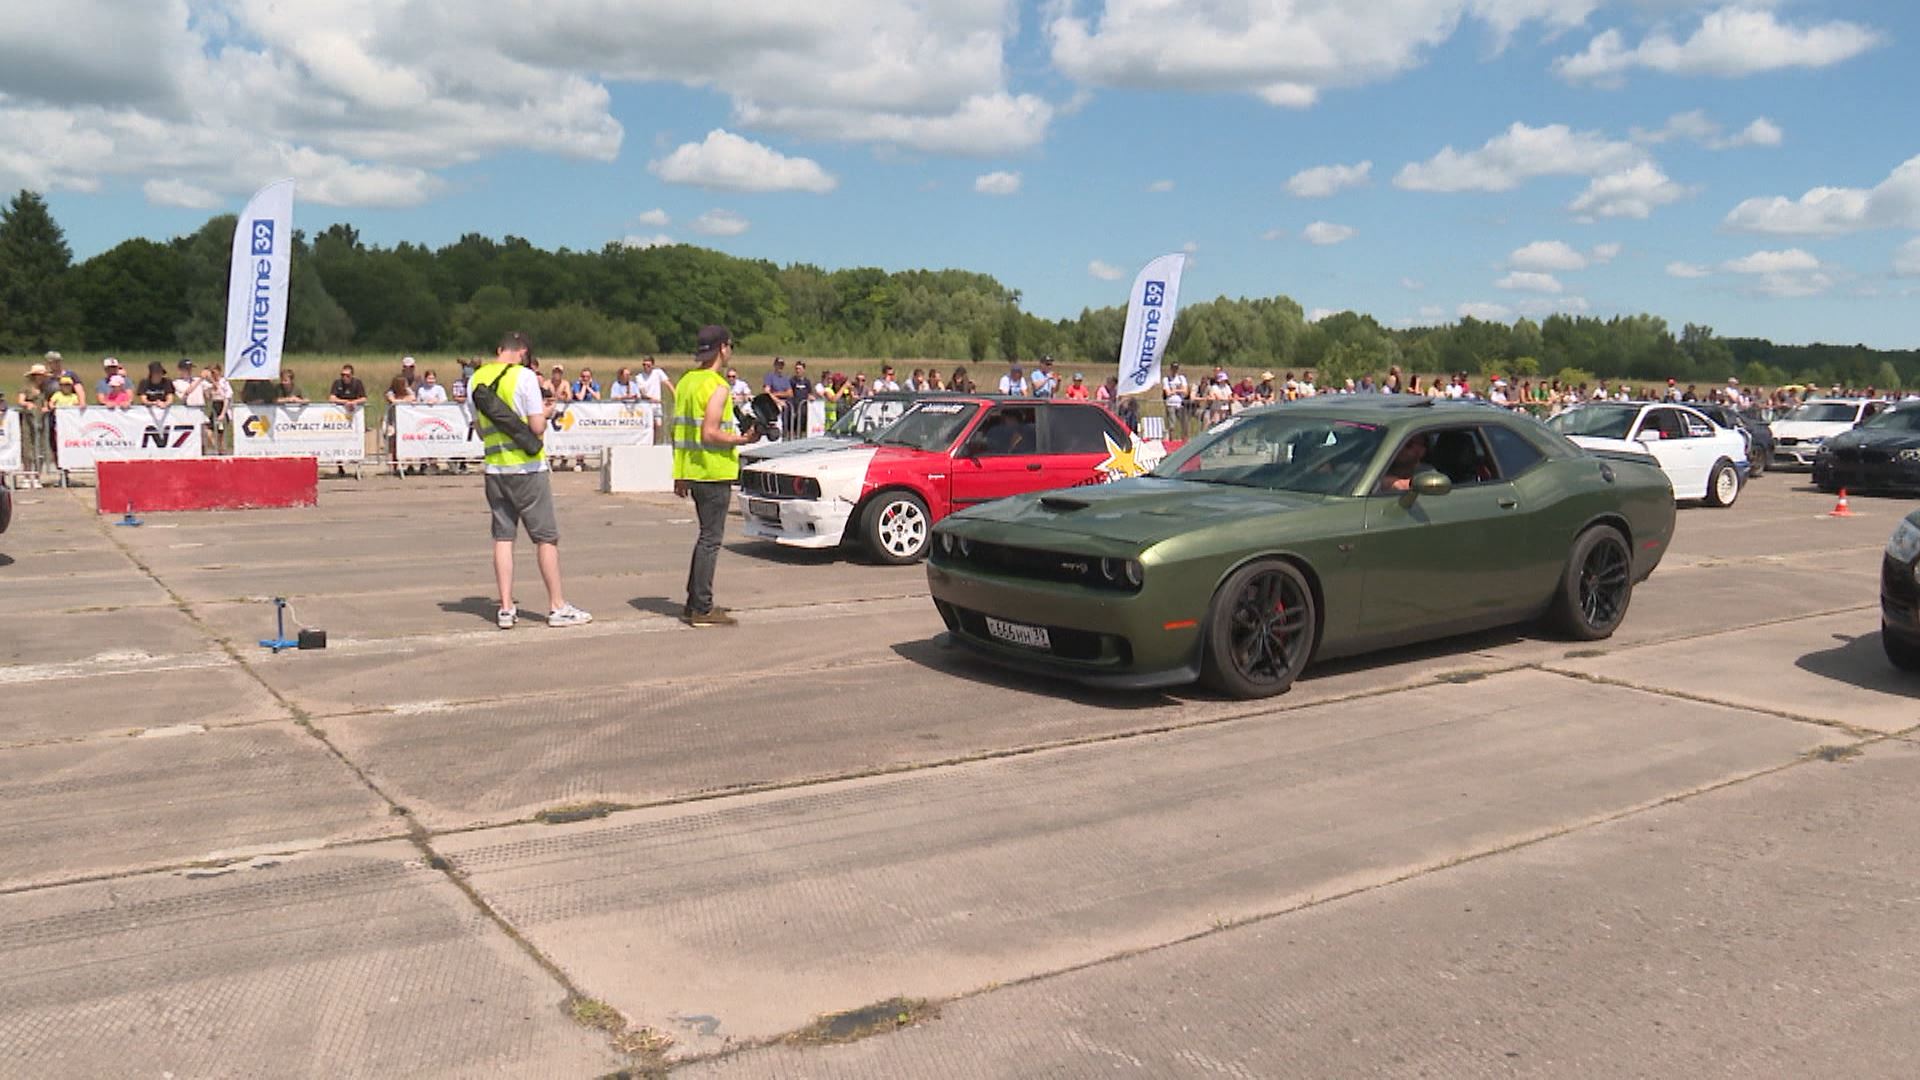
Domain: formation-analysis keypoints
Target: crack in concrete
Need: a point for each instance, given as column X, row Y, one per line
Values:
column 1866, row 734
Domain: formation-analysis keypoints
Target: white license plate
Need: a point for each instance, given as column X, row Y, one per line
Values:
column 1033, row 637
column 764, row 509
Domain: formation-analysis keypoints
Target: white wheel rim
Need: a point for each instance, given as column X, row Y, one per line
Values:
column 903, row 528
column 1728, row 485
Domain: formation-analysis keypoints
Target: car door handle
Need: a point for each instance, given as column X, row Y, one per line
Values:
column 1033, row 466
column 1508, row 504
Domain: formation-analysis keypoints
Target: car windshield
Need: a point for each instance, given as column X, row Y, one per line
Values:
column 929, row 425
column 1895, row 420
column 867, row 416
column 1281, row 450
column 1825, row 412
column 1596, row 422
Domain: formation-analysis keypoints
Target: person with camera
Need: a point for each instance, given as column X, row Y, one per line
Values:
column 706, row 462
column 511, row 417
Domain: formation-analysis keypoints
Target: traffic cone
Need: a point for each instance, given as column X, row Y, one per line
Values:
column 1840, row 508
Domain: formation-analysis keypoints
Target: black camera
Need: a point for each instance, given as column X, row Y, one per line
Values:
column 762, row 413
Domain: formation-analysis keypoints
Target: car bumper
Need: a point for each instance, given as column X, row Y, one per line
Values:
column 802, row 523
column 1799, row 455
column 1867, row 475
column 1899, row 598
column 1096, row 637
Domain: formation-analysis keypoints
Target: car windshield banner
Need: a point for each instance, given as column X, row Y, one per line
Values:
column 1156, row 291
column 257, row 283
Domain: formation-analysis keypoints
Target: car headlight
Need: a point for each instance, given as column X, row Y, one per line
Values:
column 1814, row 440
column 946, row 543
column 1905, row 543
column 1135, row 574
column 964, row 546
column 1907, row 455
column 1122, row 572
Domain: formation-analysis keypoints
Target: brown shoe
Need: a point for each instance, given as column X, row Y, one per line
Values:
column 719, row 616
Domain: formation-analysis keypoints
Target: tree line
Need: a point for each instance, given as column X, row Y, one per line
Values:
column 351, row 296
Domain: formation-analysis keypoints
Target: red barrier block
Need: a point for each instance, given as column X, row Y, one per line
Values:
column 208, row 484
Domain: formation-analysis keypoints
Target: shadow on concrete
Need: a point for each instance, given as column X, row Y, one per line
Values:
column 657, row 605
column 938, row 654
column 767, row 551
column 1859, row 661
column 6, row 560
column 480, row 607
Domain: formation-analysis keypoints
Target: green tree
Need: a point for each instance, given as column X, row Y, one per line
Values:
column 36, row 310
column 129, row 297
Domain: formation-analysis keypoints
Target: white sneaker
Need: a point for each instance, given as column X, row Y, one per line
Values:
column 568, row 616
column 506, row 618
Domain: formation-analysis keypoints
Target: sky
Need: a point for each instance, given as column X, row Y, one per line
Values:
column 1751, row 166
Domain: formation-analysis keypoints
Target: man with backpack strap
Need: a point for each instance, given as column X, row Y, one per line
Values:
column 511, row 420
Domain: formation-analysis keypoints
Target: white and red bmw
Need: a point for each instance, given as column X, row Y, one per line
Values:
column 941, row 456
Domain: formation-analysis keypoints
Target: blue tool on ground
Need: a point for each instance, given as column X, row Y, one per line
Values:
column 129, row 519
column 279, row 640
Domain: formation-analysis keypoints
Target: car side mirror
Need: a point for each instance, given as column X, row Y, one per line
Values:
column 1428, row 483
column 1652, row 435
column 974, row 447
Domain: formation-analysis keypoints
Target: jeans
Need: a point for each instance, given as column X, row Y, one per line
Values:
column 710, row 499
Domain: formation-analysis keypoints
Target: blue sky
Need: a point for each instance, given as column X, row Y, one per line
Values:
column 1647, row 155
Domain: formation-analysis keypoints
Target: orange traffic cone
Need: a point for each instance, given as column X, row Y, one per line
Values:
column 1840, row 508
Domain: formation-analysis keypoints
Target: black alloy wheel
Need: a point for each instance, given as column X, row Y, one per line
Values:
column 1261, row 631
column 1597, row 585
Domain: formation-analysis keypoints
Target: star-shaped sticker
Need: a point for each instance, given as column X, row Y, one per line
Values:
column 1121, row 462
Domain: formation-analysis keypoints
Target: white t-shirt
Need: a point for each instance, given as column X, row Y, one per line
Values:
column 1176, row 386
column 1013, row 385
column 623, row 391
column 191, row 392
column 430, row 394
column 887, row 386
column 652, row 384
column 740, row 390
column 526, row 402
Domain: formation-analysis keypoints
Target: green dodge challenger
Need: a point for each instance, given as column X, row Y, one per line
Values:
column 1305, row 531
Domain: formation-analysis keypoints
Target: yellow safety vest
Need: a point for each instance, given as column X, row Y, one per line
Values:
column 693, row 459
column 501, row 452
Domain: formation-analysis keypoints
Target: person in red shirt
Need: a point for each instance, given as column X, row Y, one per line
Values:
column 1078, row 390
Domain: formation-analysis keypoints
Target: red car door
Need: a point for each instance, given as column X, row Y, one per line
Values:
column 1074, row 438
column 1000, row 458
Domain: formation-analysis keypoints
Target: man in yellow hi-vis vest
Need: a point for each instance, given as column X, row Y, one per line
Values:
column 706, row 462
column 519, row 487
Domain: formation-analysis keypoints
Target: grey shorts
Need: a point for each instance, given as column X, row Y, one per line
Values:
column 523, row 499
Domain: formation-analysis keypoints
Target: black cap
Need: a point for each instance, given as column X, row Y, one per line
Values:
column 710, row 340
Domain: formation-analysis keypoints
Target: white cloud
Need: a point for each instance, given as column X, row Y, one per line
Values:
column 1325, row 233
column 1432, row 313
column 1320, row 313
column 1325, row 180
column 1284, row 53
column 179, row 193
column 656, row 240
column 1274, row 234
column 1783, row 274
column 1772, row 262
column 727, row 162
column 1547, row 255
column 1894, row 203
column 980, row 126
column 1159, row 186
column 1631, row 193
column 1606, row 253
column 1555, row 305
column 1485, row 311
column 997, row 183
column 1530, row 281
column 1412, row 284
column 655, row 218
column 1697, row 126
column 719, row 223
column 1520, row 154
column 1105, row 271
column 1190, row 247
column 1906, row 259
column 1732, row 42
column 1688, row 270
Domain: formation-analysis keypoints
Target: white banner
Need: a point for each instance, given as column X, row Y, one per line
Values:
column 435, row 433
column 328, row 432
column 9, row 440
column 1156, row 292
column 587, row 427
column 92, row 433
column 257, row 283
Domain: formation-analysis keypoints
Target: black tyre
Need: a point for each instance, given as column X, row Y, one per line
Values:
column 1904, row 652
column 1723, row 484
column 1260, row 632
column 1596, row 586
column 1756, row 461
column 897, row 527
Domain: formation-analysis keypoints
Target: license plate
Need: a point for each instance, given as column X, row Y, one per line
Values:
column 1033, row 637
column 764, row 509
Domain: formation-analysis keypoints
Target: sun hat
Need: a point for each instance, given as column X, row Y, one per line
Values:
column 1266, row 376
column 37, row 369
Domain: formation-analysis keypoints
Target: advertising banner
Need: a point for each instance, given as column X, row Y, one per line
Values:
column 257, row 283
column 435, row 433
column 1156, row 292
column 91, row 433
column 588, row 427
column 332, row 433
column 9, row 440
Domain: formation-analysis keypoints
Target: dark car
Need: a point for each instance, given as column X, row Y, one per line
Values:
column 1900, row 595
column 1315, row 529
column 1759, row 433
column 1882, row 454
column 6, row 505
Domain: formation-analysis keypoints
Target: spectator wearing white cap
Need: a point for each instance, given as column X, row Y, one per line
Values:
column 109, row 367
column 407, row 370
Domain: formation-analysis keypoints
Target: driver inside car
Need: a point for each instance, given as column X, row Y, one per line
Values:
column 1399, row 474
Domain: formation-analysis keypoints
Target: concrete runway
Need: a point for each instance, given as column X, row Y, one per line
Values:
column 437, row 849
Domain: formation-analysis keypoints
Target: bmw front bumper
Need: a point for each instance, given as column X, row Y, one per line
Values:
column 802, row 523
